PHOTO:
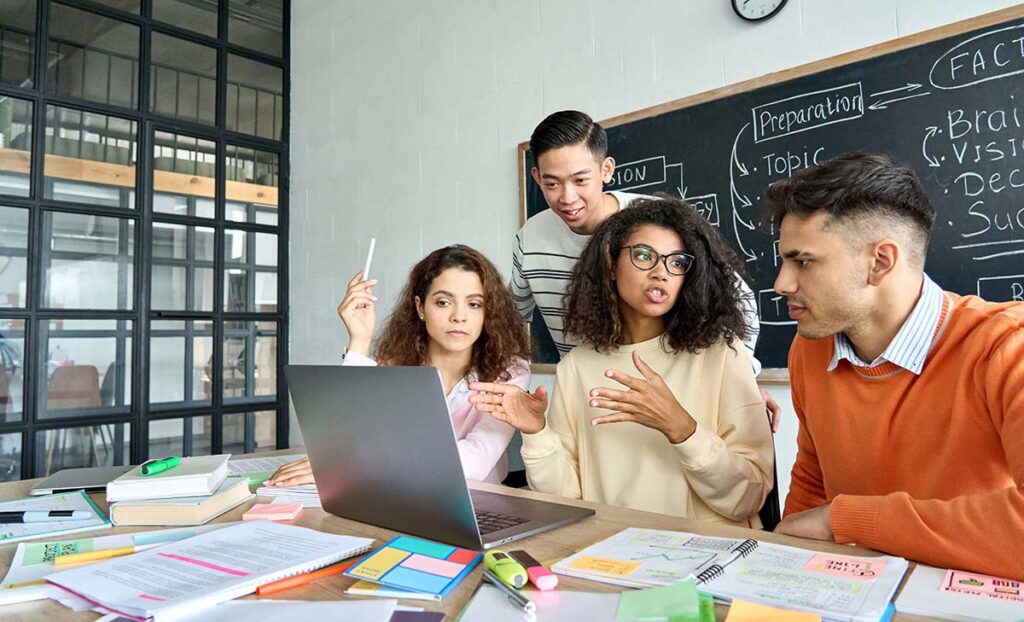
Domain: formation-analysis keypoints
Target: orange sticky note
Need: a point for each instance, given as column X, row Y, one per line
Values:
column 271, row 511
column 742, row 611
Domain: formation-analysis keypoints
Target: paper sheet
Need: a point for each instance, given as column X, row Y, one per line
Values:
column 491, row 605
column 288, row 611
column 261, row 465
column 33, row 561
column 75, row 500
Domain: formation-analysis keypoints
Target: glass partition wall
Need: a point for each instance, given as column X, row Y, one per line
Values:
column 143, row 230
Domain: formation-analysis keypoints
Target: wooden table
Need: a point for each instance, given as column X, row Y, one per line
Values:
column 547, row 546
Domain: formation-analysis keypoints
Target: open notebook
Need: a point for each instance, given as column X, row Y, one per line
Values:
column 839, row 587
column 185, row 576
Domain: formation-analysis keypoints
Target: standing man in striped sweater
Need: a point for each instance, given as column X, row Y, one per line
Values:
column 571, row 152
column 910, row 399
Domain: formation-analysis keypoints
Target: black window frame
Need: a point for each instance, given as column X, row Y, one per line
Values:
column 140, row 413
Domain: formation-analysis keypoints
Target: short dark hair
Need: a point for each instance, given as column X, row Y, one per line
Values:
column 854, row 187
column 566, row 129
column 708, row 308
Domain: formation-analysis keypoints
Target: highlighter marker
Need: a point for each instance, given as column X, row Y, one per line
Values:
column 506, row 568
column 539, row 575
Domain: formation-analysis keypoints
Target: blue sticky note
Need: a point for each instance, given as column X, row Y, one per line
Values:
column 423, row 547
column 414, row 580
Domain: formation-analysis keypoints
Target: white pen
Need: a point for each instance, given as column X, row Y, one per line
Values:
column 369, row 260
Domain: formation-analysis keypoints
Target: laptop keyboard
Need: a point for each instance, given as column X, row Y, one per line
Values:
column 492, row 521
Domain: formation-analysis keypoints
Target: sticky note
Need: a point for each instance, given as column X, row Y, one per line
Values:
column 270, row 511
column 433, row 565
column 707, row 607
column 678, row 602
column 423, row 547
column 617, row 567
column 846, row 567
column 377, row 565
column 742, row 611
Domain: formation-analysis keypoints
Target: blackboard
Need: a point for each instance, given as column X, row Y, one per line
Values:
column 948, row 102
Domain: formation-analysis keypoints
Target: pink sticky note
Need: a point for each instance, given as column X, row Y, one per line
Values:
column 270, row 511
column 846, row 566
column 433, row 565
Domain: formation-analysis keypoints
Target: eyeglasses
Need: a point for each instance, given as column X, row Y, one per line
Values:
column 645, row 258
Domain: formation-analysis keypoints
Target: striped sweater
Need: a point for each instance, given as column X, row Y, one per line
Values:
column 545, row 254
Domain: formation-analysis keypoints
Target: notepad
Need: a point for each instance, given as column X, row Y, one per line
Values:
column 367, row 588
column 841, row 587
column 967, row 595
column 269, row 511
column 416, row 565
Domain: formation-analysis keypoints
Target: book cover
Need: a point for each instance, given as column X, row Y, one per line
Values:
column 416, row 565
column 194, row 476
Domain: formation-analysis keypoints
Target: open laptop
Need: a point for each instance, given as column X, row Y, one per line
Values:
column 384, row 452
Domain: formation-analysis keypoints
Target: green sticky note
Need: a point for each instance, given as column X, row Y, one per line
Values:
column 678, row 602
column 707, row 607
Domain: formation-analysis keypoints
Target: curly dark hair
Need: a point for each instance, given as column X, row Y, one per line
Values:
column 708, row 307
column 503, row 338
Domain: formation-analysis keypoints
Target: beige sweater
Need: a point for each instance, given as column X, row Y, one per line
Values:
column 722, row 473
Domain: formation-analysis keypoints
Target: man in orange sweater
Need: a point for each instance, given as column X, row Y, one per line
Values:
column 910, row 399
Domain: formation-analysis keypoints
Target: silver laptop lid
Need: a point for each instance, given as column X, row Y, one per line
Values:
column 383, row 449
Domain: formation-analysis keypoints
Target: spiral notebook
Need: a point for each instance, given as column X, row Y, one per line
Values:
column 839, row 587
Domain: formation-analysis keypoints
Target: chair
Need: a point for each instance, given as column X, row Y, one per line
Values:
column 771, row 512
column 72, row 387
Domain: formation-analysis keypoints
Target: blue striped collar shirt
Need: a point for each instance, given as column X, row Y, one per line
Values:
column 910, row 347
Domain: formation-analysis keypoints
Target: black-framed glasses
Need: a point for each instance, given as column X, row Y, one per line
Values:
column 645, row 258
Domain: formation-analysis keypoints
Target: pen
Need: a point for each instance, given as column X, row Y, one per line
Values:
column 514, row 597
column 369, row 259
column 33, row 516
column 302, row 579
column 93, row 556
column 152, row 467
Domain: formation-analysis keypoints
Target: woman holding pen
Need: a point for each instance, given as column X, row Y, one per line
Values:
column 455, row 313
column 658, row 410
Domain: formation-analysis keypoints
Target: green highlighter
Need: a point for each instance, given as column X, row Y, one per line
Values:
column 152, row 467
column 506, row 568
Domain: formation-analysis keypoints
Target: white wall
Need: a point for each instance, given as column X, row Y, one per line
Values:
column 406, row 115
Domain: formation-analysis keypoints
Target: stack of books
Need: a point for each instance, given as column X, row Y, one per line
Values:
column 192, row 493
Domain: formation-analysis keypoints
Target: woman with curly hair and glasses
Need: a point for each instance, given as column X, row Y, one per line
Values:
column 456, row 314
column 654, row 303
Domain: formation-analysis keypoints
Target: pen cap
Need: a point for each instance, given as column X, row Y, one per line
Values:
column 539, row 574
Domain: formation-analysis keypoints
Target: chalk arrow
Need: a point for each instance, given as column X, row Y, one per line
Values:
column 932, row 162
column 739, row 165
column 910, row 88
column 882, row 105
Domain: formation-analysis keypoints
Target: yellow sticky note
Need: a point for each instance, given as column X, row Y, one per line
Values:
column 378, row 564
column 742, row 611
column 617, row 567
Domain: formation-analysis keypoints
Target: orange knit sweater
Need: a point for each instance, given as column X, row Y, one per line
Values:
column 928, row 467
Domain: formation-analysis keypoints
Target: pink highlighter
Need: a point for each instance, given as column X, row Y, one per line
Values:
column 540, row 576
